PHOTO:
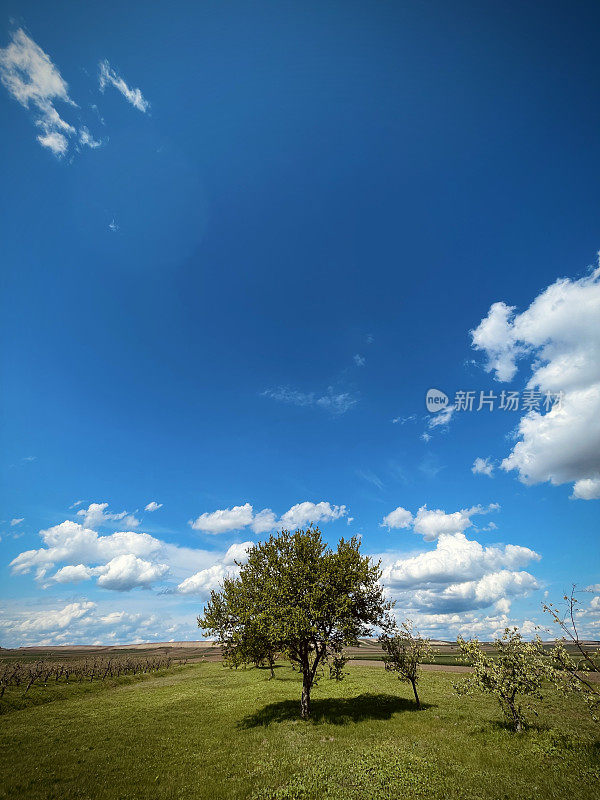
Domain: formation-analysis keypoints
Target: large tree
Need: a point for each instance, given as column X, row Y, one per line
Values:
column 302, row 598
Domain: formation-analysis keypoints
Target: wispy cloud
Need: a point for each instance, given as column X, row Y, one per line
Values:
column 359, row 360
column 404, row 420
column 108, row 76
column 337, row 403
column 35, row 82
column 370, row 477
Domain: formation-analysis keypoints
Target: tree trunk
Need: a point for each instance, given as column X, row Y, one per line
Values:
column 305, row 701
column 417, row 701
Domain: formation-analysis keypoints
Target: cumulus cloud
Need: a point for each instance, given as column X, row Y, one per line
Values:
column 398, row 518
column 127, row 571
column 482, row 466
column 560, row 334
column 304, row 513
column 35, row 82
column 108, row 76
column 455, row 559
column 459, row 575
column 39, row 622
column 153, row 506
column 335, row 402
column 224, row 520
column 239, row 517
column 264, row 522
column 431, row 523
column 203, row 581
column 237, row 552
column 86, row 622
column 79, row 546
column 587, row 489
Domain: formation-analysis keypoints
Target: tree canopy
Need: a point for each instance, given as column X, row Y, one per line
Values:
column 297, row 596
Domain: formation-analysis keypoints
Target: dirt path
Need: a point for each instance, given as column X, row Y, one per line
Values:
column 592, row 677
column 427, row 667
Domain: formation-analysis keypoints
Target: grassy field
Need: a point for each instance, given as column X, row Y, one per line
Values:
column 201, row 731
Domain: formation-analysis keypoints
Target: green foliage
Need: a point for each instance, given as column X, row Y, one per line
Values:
column 404, row 651
column 296, row 596
column 518, row 669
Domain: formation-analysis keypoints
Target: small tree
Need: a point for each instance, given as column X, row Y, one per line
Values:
column 405, row 650
column 254, row 648
column 517, row 669
column 302, row 598
column 571, row 667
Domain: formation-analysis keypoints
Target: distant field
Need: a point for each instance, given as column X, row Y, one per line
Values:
column 201, row 731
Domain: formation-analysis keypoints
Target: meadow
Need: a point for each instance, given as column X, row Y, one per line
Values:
column 201, row 731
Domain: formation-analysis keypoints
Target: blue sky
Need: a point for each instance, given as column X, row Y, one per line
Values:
column 239, row 244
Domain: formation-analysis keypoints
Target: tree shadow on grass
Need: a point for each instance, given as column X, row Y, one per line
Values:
column 336, row 711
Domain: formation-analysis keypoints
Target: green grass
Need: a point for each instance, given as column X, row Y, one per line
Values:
column 201, row 731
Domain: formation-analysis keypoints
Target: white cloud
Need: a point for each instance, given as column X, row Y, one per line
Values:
column 86, row 138
column 359, row 360
column 54, row 141
column 207, row 579
column 304, row 513
column 203, row 581
column 95, row 516
column 482, row 466
column 87, row 622
column 404, row 420
column 398, row 518
column 264, row 521
column 122, row 573
column 560, row 333
column 126, row 572
column 431, row 523
column 107, row 76
column 224, row 520
column 237, row 552
column 75, row 504
column 71, row 542
column 16, row 521
column 442, row 418
column 587, row 489
column 239, row 517
column 455, row 559
column 53, row 619
column 336, row 403
column 153, row 506
column 481, row 593
column 459, row 575
column 35, row 82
